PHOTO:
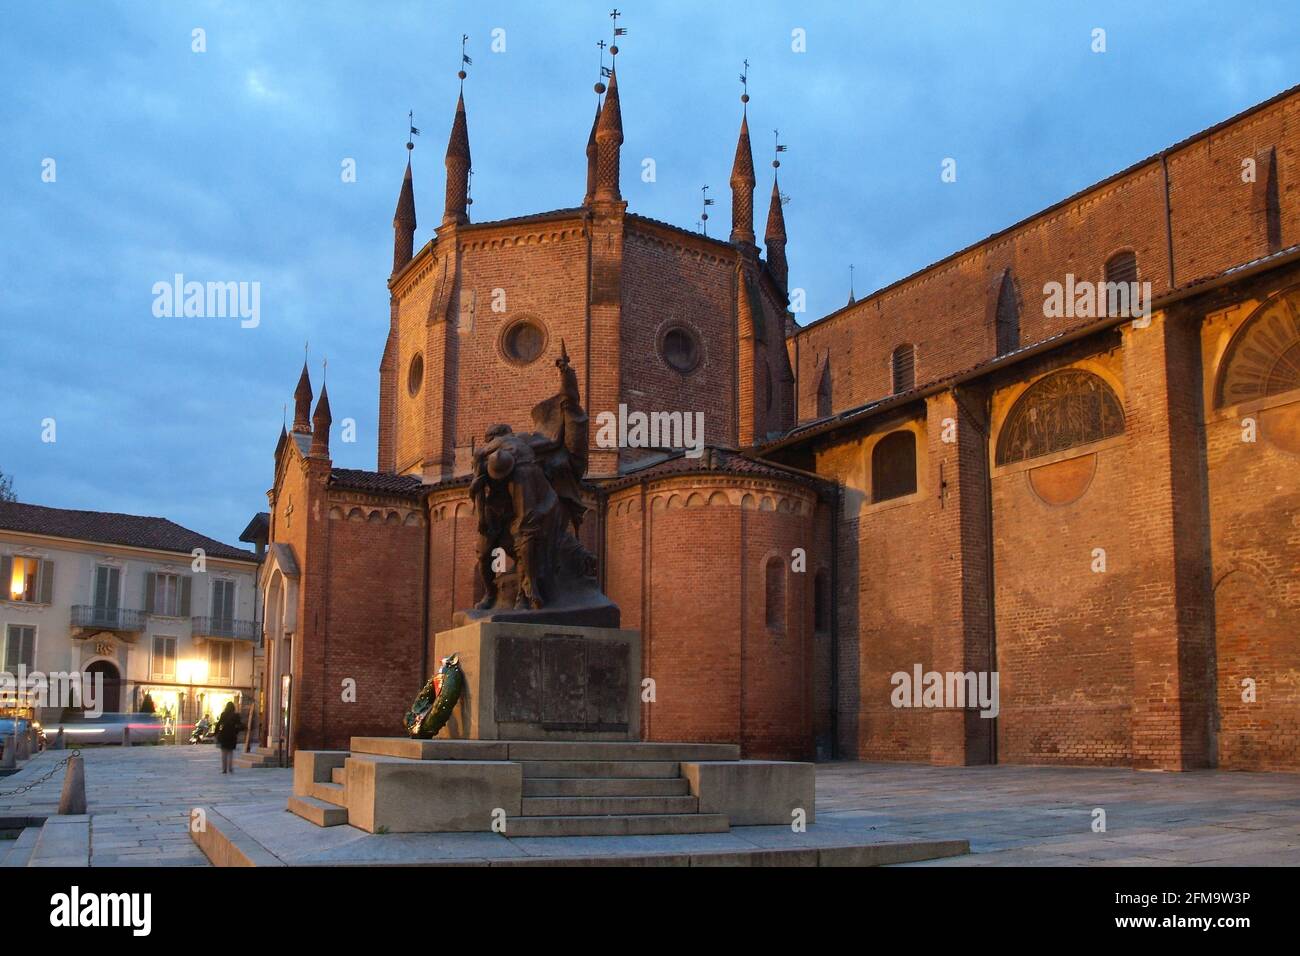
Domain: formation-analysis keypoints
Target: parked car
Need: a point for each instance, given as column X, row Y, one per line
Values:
column 109, row 728
column 7, row 731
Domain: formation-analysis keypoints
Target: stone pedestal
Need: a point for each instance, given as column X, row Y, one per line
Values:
column 544, row 682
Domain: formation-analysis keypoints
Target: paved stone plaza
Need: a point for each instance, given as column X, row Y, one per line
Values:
column 140, row 798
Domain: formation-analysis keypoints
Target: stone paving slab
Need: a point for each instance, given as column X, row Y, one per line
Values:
column 297, row 842
column 139, row 800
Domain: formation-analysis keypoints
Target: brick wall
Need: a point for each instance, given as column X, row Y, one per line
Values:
column 946, row 309
column 1254, row 501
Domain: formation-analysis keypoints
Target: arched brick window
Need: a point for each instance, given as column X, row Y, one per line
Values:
column 903, row 368
column 1263, row 358
column 822, row 601
column 1007, row 321
column 774, row 594
column 893, row 466
column 1122, row 267
column 1059, row 411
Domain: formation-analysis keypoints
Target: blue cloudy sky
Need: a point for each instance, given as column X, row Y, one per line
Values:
column 225, row 165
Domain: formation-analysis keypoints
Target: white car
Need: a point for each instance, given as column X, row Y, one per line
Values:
column 107, row 729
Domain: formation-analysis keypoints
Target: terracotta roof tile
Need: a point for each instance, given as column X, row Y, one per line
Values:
column 106, row 527
column 376, row 482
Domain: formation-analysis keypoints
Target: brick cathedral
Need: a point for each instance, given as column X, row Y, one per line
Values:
column 945, row 476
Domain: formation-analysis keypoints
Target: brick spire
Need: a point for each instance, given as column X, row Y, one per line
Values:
column 609, row 138
column 774, row 238
column 458, row 166
column 404, row 223
column 302, row 403
column 742, row 188
column 591, row 159
column 320, row 432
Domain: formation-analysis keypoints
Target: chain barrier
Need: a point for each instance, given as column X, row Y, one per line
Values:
column 42, row 778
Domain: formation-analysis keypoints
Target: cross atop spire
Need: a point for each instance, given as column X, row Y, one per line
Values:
column 618, row 31
column 744, row 87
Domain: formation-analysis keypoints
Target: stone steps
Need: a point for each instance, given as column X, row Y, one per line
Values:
column 607, row 806
column 318, row 811
column 256, row 758
column 442, row 748
column 334, row 793
column 626, row 825
column 606, row 786
column 529, row 750
column 601, row 768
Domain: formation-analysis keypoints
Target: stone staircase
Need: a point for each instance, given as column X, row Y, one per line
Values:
column 609, row 798
column 257, row 757
column 565, row 788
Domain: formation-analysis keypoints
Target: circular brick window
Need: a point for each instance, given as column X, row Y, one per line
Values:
column 680, row 349
column 415, row 375
column 523, row 341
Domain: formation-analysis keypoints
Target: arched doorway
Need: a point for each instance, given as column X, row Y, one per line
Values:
column 111, row 700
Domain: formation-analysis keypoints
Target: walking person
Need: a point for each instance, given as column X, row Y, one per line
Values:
column 229, row 724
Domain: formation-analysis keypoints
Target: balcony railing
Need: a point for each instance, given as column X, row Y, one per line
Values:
column 107, row 618
column 227, row 627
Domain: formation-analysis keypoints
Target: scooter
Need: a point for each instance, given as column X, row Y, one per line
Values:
column 203, row 731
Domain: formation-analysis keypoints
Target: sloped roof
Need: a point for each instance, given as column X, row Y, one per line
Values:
column 376, row 482
column 106, row 527
column 714, row 460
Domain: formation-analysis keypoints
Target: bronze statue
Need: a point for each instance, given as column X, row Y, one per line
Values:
column 527, row 490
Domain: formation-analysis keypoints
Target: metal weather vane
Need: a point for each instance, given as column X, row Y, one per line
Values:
column 618, row 31
column 412, row 132
column 704, row 215
column 464, row 60
column 776, row 160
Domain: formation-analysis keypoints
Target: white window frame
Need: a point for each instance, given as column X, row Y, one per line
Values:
column 121, row 581
column 175, row 610
column 36, row 637
column 154, row 673
column 233, row 584
column 213, row 676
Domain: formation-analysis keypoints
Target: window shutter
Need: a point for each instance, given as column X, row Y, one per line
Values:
column 6, row 575
column 185, row 596
column 11, row 635
column 27, row 638
column 150, row 591
column 47, row 582
column 101, row 587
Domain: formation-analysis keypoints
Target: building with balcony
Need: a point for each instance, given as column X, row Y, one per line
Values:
column 154, row 608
